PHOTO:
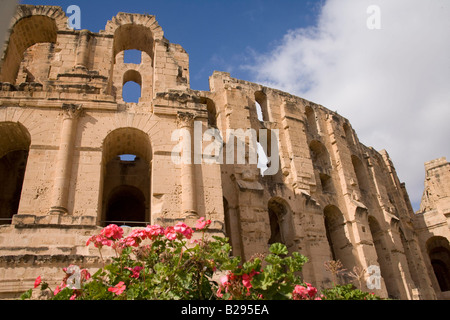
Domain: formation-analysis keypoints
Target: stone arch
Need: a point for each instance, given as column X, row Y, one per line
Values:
column 383, row 257
column 132, row 36
column 212, row 111
column 126, row 179
column 320, row 155
column 438, row 249
column 27, row 31
column 54, row 12
column 133, row 32
column 338, row 240
column 15, row 142
column 348, row 132
column 322, row 163
column 280, row 221
column 134, row 76
column 311, row 120
column 143, row 20
column 361, row 174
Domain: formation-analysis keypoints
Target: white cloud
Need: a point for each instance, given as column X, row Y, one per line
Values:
column 393, row 84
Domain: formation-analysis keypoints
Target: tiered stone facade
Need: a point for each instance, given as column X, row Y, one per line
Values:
column 64, row 127
column 432, row 224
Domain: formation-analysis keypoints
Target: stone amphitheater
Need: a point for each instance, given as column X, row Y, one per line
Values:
column 65, row 128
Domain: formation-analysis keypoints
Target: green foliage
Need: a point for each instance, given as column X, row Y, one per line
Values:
column 27, row 294
column 157, row 263
column 348, row 292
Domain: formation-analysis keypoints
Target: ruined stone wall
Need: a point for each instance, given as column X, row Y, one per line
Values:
column 432, row 224
column 61, row 106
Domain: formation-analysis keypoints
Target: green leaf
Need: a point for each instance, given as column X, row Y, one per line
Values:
column 27, row 294
column 273, row 259
column 278, row 249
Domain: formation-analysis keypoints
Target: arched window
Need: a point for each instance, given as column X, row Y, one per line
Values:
column 348, row 134
column 361, row 174
column 14, row 145
column 335, row 232
column 126, row 178
column 132, row 82
column 320, row 156
column 439, row 252
column 25, row 33
column 212, row 111
column 322, row 163
column 281, row 229
column 261, row 106
column 311, row 120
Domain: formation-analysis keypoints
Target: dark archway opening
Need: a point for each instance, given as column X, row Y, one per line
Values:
column 126, row 206
column 280, row 223
column 12, row 172
column 439, row 252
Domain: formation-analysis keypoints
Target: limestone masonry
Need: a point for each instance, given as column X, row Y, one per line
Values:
column 64, row 126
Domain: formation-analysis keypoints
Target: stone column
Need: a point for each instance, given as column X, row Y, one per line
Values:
column 63, row 168
column 82, row 55
column 185, row 122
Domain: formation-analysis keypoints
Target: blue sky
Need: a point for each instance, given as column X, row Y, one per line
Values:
column 392, row 82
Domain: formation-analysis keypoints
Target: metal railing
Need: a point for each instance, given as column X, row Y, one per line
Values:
column 124, row 223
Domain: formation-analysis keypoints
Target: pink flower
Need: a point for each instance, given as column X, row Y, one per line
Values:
column 154, row 231
column 130, row 241
column 73, row 297
column 219, row 293
column 99, row 241
column 112, row 231
column 118, row 288
column 170, row 233
column 247, row 278
column 85, row 275
column 300, row 293
column 224, row 280
column 57, row 290
column 182, row 228
column 312, row 291
column 246, row 281
column 135, row 271
column 201, row 223
column 139, row 233
column 37, row 281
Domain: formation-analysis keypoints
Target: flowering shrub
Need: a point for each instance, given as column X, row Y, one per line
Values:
column 167, row 263
column 348, row 292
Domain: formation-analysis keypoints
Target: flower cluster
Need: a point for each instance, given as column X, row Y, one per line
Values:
column 73, row 280
column 112, row 235
column 107, row 236
column 305, row 293
column 118, row 289
column 169, row 267
column 234, row 284
column 202, row 223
